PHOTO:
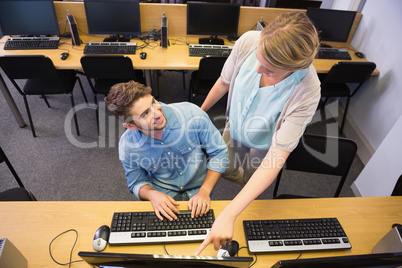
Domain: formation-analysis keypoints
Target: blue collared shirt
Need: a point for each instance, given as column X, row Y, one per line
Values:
column 177, row 163
column 254, row 111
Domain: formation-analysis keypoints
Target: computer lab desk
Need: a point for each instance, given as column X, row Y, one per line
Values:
column 174, row 57
column 31, row 226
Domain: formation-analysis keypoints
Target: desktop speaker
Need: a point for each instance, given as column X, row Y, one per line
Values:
column 391, row 242
column 260, row 25
column 164, row 31
column 73, row 30
column 10, row 256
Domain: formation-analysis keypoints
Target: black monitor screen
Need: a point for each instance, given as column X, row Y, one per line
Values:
column 212, row 18
column 36, row 17
column 146, row 260
column 116, row 17
column 334, row 25
column 380, row 260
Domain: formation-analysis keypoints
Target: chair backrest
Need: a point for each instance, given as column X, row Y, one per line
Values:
column 28, row 67
column 349, row 72
column 322, row 155
column 210, row 68
column 108, row 67
column 398, row 187
column 32, row 67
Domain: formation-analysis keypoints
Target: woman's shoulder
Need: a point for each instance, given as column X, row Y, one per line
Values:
column 249, row 38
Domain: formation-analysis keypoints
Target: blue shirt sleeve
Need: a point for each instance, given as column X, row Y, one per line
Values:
column 135, row 175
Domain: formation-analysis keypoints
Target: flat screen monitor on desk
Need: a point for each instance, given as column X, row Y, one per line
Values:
column 333, row 25
column 212, row 19
column 146, row 260
column 380, row 260
column 28, row 18
column 118, row 18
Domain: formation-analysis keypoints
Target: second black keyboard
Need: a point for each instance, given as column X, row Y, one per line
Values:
column 146, row 227
column 110, row 48
column 295, row 235
column 209, row 50
column 333, row 54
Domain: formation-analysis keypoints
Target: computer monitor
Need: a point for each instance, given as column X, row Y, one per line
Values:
column 212, row 19
column 28, row 18
column 334, row 25
column 118, row 18
column 380, row 260
column 121, row 260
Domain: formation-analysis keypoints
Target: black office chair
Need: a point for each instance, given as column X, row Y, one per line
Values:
column 107, row 71
column 42, row 79
column 338, row 154
column 344, row 79
column 18, row 193
column 204, row 78
column 398, row 187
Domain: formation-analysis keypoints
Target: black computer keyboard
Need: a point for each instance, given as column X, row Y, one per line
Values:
column 209, row 50
column 110, row 48
column 333, row 53
column 15, row 43
column 146, row 227
column 295, row 235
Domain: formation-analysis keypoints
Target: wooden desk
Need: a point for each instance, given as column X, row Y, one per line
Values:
column 31, row 226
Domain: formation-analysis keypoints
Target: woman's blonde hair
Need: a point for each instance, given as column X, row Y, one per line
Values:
column 290, row 42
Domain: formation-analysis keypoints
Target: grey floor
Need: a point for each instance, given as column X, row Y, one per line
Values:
column 56, row 168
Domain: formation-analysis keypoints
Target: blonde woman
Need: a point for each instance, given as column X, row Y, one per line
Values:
column 274, row 91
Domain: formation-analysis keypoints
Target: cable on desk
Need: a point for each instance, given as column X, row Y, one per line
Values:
column 164, row 246
column 255, row 254
column 71, row 252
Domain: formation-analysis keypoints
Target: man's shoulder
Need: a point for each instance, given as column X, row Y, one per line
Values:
column 185, row 109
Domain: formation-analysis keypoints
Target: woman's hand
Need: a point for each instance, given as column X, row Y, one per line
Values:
column 221, row 233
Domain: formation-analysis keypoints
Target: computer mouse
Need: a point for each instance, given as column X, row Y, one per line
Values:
column 143, row 55
column 64, row 55
column 229, row 250
column 359, row 54
column 101, row 238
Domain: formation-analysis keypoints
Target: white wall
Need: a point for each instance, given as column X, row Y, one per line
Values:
column 376, row 108
column 379, row 176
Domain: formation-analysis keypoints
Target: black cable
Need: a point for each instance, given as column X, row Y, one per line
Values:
column 164, row 246
column 299, row 255
column 255, row 254
column 71, row 253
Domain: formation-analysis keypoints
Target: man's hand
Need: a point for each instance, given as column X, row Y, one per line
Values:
column 221, row 233
column 199, row 204
column 163, row 205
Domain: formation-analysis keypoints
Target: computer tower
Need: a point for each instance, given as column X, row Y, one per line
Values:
column 73, row 30
column 391, row 242
column 164, row 32
column 10, row 256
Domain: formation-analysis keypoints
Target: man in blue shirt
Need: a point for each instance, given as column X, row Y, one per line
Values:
column 163, row 150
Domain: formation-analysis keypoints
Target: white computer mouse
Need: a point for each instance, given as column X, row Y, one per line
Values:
column 101, row 238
